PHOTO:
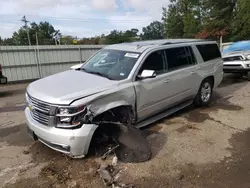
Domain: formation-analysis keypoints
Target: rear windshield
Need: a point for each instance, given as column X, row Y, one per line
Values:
column 209, row 51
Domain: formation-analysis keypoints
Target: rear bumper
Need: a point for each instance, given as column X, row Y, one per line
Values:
column 71, row 142
column 3, row 80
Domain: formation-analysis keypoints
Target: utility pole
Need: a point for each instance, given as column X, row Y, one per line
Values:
column 56, row 37
column 25, row 21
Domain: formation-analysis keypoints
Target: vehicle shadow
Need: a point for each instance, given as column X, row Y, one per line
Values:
column 232, row 79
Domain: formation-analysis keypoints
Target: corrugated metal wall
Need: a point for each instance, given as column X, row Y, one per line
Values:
column 31, row 62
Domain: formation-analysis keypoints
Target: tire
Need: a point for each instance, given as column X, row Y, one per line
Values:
column 248, row 76
column 205, row 93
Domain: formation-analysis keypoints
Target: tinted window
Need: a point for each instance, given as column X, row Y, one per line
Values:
column 154, row 61
column 179, row 57
column 190, row 55
column 209, row 51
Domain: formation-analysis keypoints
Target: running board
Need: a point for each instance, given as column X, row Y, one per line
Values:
column 163, row 114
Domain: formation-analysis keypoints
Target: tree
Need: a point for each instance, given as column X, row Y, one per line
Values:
column 154, row 30
column 131, row 33
column 182, row 18
column 8, row 42
column 66, row 40
column 218, row 16
column 241, row 22
column 45, row 33
column 116, row 36
column 173, row 23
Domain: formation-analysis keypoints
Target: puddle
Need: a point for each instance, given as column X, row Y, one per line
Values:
column 10, row 93
column 4, row 132
column 12, row 108
column 186, row 128
column 152, row 129
column 224, row 104
column 16, row 135
column 199, row 115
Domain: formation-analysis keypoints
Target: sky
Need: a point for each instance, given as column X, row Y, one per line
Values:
column 81, row 18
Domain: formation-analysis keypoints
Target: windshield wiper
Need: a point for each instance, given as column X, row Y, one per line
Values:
column 99, row 74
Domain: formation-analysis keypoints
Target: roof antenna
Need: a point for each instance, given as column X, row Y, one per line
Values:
column 138, row 46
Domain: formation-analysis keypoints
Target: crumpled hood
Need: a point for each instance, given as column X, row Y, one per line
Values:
column 65, row 87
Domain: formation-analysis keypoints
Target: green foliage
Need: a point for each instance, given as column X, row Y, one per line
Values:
column 207, row 19
column 241, row 22
column 173, row 23
column 6, row 42
column 155, row 30
column 182, row 18
column 218, row 17
column 66, row 40
column 116, row 36
column 44, row 30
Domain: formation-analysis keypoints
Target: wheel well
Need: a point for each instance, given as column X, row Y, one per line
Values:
column 122, row 114
column 211, row 78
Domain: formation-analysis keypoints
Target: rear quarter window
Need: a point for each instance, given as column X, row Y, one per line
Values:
column 209, row 51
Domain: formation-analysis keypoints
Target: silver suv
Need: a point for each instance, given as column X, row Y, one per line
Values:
column 136, row 83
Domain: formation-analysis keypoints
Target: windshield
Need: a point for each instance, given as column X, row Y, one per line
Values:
column 112, row 64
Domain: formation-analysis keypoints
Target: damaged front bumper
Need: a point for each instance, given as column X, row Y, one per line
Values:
column 73, row 142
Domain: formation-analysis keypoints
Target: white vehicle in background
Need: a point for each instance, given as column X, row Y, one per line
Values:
column 237, row 58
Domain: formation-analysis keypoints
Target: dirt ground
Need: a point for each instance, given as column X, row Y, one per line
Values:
column 205, row 147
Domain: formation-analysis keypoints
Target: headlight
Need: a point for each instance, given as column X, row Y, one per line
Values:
column 70, row 117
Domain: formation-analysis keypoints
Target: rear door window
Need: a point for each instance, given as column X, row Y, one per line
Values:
column 209, row 51
column 179, row 57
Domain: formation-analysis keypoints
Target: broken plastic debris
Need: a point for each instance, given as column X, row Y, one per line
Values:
column 111, row 175
column 114, row 161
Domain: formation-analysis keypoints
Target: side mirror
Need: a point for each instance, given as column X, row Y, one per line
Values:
column 76, row 67
column 147, row 74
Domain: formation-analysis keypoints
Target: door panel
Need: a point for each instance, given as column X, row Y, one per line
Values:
column 174, row 86
column 151, row 95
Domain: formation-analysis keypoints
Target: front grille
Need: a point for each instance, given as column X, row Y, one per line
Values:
column 40, row 110
column 233, row 58
column 40, row 117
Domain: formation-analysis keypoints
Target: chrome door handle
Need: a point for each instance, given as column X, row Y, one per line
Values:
column 167, row 80
column 192, row 72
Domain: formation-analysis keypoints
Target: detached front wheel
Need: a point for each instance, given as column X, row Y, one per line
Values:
column 204, row 96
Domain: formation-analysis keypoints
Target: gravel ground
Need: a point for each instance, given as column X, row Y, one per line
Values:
column 205, row 147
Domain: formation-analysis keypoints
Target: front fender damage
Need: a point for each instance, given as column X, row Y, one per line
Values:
column 127, row 142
